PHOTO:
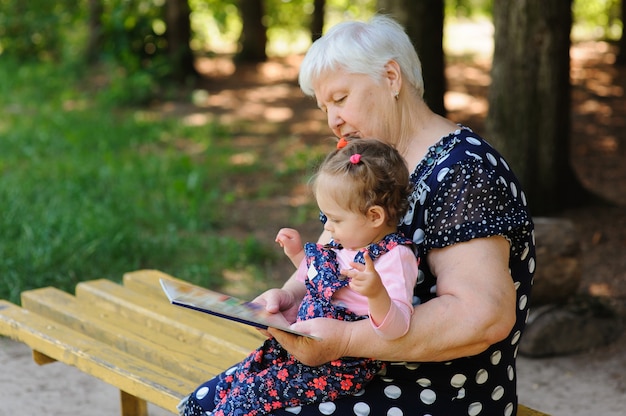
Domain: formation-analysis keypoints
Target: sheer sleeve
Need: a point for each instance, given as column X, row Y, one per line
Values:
column 473, row 200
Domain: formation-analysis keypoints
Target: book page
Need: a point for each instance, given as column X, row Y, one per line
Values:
column 224, row 306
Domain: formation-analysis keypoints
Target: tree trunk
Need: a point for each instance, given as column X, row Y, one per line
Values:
column 423, row 20
column 317, row 20
column 178, row 35
column 95, row 36
column 621, row 54
column 253, row 35
column 529, row 99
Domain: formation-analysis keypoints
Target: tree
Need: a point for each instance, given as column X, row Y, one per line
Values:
column 178, row 35
column 621, row 55
column 423, row 20
column 317, row 20
column 95, row 10
column 529, row 99
column 254, row 33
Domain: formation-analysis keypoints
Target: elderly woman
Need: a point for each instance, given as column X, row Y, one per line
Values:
column 468, row 216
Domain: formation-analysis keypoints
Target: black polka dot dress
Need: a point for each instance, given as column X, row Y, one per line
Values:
column 463, row 189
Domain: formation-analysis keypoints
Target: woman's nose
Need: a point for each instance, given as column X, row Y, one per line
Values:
column 334, row 119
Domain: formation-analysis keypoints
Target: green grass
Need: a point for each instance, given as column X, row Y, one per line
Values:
column 88, row 190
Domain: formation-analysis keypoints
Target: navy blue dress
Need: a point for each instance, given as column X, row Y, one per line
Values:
column 463, row 189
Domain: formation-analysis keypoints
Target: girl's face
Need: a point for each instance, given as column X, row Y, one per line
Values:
column 353, row 230
column 355, row 104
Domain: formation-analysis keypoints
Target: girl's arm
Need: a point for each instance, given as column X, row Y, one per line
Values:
column 291, row 242
column 286, row 300
column 388, row 285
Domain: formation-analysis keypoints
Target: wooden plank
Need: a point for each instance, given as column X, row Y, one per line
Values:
column 527, row 411
column 147, row 282
column 42, row 359
column 130, row 374
column 210, row 333
column 132, row 406
column 155, row 347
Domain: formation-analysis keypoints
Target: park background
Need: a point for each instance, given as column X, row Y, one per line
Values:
column 114, row 157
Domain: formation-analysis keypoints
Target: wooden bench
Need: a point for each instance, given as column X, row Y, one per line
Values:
column 131, row 337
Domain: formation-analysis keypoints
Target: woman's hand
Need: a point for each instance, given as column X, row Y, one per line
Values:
column 280, row 301
column 334, row 336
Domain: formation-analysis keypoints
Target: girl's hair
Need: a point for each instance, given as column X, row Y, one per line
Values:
column 377, row 176
column 362, row 48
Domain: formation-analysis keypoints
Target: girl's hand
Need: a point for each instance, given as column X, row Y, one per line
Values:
column 364, row 279
column 290, row 240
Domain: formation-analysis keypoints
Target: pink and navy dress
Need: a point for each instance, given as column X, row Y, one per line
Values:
column 270, row 378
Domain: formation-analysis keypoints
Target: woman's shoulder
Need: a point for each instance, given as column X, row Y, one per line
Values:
column 460, row 148
column 464, row 143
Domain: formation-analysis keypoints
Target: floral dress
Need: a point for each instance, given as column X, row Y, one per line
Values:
column 270, row 378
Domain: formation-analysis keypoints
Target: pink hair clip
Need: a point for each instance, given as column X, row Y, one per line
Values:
column 355, row 158
column 342, row 143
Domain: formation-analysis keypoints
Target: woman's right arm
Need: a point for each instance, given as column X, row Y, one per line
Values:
column 474, row 308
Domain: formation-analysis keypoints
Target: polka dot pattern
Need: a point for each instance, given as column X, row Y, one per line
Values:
column 463, row 189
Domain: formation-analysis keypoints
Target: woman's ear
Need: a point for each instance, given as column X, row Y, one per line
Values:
column 393, row 75
column 377, row 215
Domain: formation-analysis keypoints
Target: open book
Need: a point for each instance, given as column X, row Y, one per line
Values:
column 224, row 306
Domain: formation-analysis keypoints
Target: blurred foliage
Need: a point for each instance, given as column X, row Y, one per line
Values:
column 134, row 45
column 468, row 8
column 89, row 191
column 598, row 19
column 215, row 25
column 35, row 30
column 133, row 32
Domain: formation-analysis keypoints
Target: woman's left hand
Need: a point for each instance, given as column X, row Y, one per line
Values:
column 333, row 337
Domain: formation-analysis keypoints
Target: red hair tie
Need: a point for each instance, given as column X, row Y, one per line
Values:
column 355, row 158
column 342, row 143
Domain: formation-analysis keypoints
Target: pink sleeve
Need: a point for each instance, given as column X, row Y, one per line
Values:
column 398, row 271
column 302, row 271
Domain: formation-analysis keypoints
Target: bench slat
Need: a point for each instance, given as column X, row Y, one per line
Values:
column 209, row 333
column 130, row 374
column 527, row 411
column 152, row 346
column 147, row 281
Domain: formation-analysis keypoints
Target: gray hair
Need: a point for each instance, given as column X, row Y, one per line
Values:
column 362, row 48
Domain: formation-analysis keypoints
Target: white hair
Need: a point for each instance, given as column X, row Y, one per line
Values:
column 362, row 48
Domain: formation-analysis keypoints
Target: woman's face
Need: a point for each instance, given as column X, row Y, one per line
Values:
column 355, row 104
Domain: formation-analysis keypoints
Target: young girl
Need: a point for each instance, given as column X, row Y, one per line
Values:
column 361, row 188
